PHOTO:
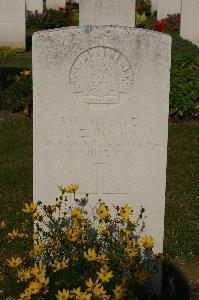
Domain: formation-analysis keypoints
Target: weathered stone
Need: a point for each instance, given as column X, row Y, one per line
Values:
column 34, row 5
column 101, row 101
column 190, row 21
column 55, row 4
column 12, row 23
column 168, row 7
column 154, row 5
column 103, row 12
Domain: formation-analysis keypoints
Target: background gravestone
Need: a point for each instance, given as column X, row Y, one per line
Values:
column 12, row 23
column 190, row 21
column 34, row 5
column 101, row 102
column 154, row 5
column 166, row 7
column 103, row 12
column 55, row 4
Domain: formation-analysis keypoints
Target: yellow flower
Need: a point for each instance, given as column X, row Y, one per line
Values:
column 90, row 284
column 34, row 288
column 38, row 249
column 98, row 290
column 62, row 189
column 102, row 230
column 102, row 259
column 104, row 274
column 148, row 242
column 125, row 233
column 16, row 234
column 91, row 255
column 25, row 296
column 14, row 262
column 72, row 188
column 60, row 265
column 102, row 211
column 125, row 212
column 73, row 234
column 30, row 208
column 77, row 213
column 24, row 275
column 119, row 292
column 64, row 295
column 76, row 292
column 2, row 225
column 132, row 248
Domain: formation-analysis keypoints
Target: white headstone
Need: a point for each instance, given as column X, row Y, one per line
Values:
column 12, row 23
column 34, row 5
column 55, row 4
column 101, row 102
column 190, row 21
column 103, row 12
column 168, row 7
column 154, row 5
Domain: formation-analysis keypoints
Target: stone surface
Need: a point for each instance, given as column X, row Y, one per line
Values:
column 154, row 5
column 101, row 101
column 190, row 21
column 34, row 5
column 55, row 4
column 12, row 23
column 166, row 7
column 103, row 12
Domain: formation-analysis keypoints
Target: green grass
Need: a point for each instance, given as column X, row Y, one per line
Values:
column 182, row 194
column 182, row 205
column 15, row 167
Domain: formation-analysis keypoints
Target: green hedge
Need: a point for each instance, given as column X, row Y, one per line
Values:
column 184, row 94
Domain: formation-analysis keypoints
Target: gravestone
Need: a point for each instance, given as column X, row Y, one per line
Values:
column 190, row 21
column 103, row 12
column 168, row 7
column 55, row 4
column 154, row 5
column 101, row 102
column 12, row 23
column 34, row 5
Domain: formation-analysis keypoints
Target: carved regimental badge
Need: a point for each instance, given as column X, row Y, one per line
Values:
column 101, row 75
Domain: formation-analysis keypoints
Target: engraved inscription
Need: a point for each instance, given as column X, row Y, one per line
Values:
column 101, row 75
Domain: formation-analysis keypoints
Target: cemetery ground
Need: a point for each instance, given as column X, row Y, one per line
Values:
column 181, row 222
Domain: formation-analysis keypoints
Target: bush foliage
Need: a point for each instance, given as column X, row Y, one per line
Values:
column 18, row 95
column 184, row 94
column 100, row 255
column 6, row 52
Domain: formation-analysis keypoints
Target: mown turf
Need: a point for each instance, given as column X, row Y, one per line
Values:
column 182, row 195
column 15, row 167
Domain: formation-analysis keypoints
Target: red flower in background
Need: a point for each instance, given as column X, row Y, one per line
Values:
column 159, row 25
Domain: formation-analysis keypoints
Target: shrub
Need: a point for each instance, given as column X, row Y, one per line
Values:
column 18, row 94
column 51, row 19
column 6, row 52
column 184, row 94
column 140, row 20
column 82, row 256
column 172, row 22
column 143, row 6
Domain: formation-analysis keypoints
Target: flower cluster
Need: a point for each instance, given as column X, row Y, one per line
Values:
column 82, row 255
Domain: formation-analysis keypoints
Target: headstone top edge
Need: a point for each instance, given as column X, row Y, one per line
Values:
column 44, row 33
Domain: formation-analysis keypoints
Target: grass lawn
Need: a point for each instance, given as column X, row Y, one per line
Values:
column 182, row 205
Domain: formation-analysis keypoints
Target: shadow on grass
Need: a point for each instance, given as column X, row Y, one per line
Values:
column 175, row 285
